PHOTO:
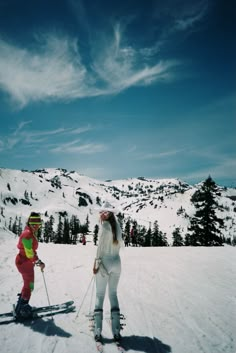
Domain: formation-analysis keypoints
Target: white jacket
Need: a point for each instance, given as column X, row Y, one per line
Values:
column 106, row 247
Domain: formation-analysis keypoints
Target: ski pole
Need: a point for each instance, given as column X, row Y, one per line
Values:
column 93, row 277
column 91, row 298
column 46, row 288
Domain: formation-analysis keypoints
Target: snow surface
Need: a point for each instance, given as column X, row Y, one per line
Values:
column 179, row 300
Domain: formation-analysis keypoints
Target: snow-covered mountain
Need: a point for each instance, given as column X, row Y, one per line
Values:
column 58, row 191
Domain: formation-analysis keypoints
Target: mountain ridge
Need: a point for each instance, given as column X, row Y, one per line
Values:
column 57, row 190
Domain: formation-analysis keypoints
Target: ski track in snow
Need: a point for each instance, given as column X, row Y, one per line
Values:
column 176, row 300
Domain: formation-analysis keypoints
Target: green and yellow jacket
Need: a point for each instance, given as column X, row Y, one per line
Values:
column 28, row 244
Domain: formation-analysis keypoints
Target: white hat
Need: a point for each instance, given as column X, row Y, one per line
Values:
column 107, row 207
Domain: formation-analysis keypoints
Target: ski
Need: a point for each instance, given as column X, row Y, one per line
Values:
column 99, row 346
column 38, row 315
column 46, row 308
column 42, row 309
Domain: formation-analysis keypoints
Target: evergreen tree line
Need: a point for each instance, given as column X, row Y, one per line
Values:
column 205, row 227
column 66, row 231
column 138, row 235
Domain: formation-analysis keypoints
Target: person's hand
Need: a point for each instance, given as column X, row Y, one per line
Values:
column 40, row 264
column 95, row 271
column 96, row 265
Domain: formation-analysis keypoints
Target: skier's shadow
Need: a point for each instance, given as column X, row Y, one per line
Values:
column 47, row 328
column 143, row 344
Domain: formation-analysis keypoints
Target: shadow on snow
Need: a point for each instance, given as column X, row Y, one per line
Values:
column 143, row 344
column 47, row 327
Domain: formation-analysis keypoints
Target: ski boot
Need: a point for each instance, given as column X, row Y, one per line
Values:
column 115, row 323
column 23, row 310
column 98, row 317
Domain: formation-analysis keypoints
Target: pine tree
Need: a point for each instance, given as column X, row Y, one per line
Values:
column 59, row 233
column 134, row 233
column 205, row 226
column 98, row 201
column 95, row 234
column 127, row 232
column 66, row 232
column 163, row 239
column 48, row 235
column 15, row 226
column 156, row 234
column 10, row 224
column 177, row 238
column 19, row 226
column 87, row 223
column 148, row 238
column 74, row 228
column 141, row 235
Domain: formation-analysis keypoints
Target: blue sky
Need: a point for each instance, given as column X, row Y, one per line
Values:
column 119, row 89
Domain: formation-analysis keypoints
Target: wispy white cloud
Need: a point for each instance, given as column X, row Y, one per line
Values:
column 64, row 146
column 28, row 138
column 11, row 142
column 81, row 130
column 120, row 66
column 21, row 126
column 179, row 22
column 158, row 155
column 191, row 14
column 53, row 69
column 71, row 147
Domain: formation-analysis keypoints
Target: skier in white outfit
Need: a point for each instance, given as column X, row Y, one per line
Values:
column 107, row 268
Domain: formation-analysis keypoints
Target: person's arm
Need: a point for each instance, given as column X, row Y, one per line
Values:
column 97, row 260
column 30, row 253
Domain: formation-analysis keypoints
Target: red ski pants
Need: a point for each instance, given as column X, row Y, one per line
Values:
column 26, row 269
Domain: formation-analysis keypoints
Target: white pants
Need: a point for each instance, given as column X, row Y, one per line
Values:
column 109, row 273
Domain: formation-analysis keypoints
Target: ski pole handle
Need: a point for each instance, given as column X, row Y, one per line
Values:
column 40, row 264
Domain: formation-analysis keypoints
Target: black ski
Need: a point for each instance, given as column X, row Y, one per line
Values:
column 38, row 315
column 44, row 308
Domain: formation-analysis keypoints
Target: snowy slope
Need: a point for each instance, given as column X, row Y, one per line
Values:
column 179, row 300
column 51, row 191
